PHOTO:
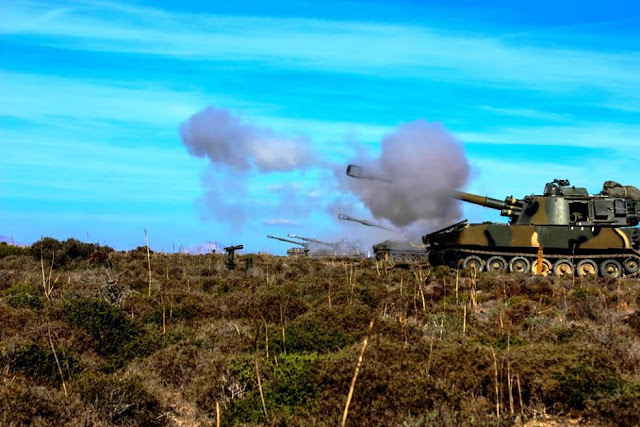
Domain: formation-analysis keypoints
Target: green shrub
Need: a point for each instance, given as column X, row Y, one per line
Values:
column 290, row 384
column 587, row 381
column 49, row 250
column 7, row 250
column 40, row 363
column 118, row 339
column 25, row 295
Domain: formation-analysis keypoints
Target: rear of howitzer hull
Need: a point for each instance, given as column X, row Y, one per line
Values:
column 609, row 251
column 399, row 251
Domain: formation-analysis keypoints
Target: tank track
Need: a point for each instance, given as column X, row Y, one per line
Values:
column 622, row 259
column 400, row 257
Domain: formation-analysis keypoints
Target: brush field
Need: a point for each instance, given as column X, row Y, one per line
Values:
column 89, row 336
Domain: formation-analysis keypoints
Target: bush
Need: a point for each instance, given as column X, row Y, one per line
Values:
column 22, row 404
column 121, row 401
column 586, row 381
column 40, row 363
column 50, row 251
column 118, row 339
column 25, row 295
column 289, row 385
column 7, row 250
column 61, row 254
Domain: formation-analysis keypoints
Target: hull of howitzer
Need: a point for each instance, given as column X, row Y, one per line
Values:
column 487, row 241
column 400, row 251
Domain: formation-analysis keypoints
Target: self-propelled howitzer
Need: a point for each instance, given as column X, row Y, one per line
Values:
column 309, row 239
column 302, row 250
column 397, row 251
column 576, row 232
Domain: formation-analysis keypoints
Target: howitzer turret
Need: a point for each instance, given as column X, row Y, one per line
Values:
column 302, row 250
column 397, row 251
column 577, row 233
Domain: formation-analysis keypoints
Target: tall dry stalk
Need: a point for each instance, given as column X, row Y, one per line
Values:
column 355, row 373
column 55, row 355
column 519, row 392
column 264, row 405
column 495, row 366
column 266, row 337
column 464, row 320
column 430, row 354
column 509, row 379
column 47, row 286
column 146, row 237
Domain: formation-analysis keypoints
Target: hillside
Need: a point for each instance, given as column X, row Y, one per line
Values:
column 98, row 338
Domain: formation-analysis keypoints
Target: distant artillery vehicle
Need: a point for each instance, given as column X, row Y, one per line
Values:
column 310, row 240
column 340, row 248
column 563, row 231
column 397, row 251
column 303, row 250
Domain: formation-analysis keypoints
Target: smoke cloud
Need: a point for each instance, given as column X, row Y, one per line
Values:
column 420, row 165
column 227, row 141
column 425, row 164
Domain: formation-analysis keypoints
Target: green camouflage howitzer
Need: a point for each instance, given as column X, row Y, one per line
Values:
column 563, row 231
column 302, row 251
column 399, row 251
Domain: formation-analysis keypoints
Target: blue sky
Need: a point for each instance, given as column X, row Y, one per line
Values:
column 92, row 94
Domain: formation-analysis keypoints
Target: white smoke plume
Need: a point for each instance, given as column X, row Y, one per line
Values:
column 227, row 141
column 238, row 150
column 425, row 164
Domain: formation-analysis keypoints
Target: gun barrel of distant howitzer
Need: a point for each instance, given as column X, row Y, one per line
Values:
column 234, row 248
column 285, row 240
column 365, row 222
column 508, row 207
column 309, row 239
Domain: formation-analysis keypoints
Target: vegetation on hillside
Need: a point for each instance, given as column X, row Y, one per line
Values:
column 88, row 336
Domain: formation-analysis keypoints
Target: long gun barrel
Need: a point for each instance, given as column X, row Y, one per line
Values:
column 358, row 172
column 285, row 240
column 365, row 222
column 508, row 207
column 309, row 239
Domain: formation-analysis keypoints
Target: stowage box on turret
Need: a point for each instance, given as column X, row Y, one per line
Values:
column 576, row 232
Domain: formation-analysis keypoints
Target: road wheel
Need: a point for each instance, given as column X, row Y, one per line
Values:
column 546, row 267
column 519, row 265
column 497, row 264
column 473, row 262
column 631, row 265
column 587, row 267
column 563, row 267
column 611, row 268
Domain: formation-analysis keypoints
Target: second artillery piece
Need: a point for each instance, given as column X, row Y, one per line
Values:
column 569, row 230
column 398, row 251
column 302, row 250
